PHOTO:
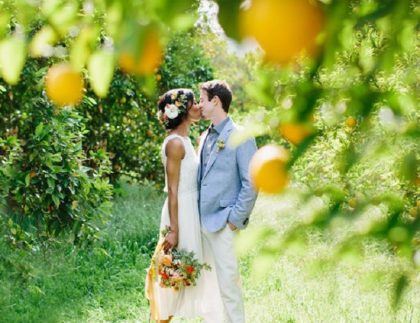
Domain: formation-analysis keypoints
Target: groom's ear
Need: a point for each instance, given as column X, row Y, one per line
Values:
column 216, row 100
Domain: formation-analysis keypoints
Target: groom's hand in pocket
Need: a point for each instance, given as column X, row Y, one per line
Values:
column 232, row 226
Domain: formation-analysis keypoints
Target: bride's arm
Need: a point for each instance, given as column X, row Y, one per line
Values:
column 175, row 152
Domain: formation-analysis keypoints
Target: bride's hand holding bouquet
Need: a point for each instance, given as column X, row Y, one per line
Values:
column 175, row 268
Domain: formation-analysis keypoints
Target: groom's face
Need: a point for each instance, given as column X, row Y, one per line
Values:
column 206, row 106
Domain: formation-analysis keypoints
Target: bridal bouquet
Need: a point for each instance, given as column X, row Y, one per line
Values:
column 177, row 268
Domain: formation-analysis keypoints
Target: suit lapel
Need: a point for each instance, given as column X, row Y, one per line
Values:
column 213, row 154
column 200, row 145
column 200, row 149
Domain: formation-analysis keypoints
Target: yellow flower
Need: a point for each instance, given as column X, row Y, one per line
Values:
column 220, row 144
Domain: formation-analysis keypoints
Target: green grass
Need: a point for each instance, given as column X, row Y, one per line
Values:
column 106, row 283
column 301, row 287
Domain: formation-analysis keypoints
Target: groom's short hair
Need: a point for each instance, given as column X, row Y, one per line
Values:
column 220, row 89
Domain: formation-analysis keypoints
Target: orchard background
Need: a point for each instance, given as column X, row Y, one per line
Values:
column 330, row 90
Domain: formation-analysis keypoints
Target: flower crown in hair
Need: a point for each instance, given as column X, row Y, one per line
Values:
column 172, row 110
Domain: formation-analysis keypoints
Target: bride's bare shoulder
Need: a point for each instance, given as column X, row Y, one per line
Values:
column 174, row 148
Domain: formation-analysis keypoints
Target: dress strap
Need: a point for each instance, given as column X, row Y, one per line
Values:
column 174, row 135
column 170, row 137
column 167, row 139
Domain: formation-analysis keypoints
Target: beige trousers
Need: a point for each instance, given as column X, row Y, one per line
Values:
column 219, row 251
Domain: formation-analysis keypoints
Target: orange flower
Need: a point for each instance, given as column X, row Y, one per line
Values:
column 189, row 269
column 166, row 260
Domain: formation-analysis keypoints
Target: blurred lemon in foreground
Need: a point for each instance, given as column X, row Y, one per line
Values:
column 283, row 28
column 148, row 60
column 267, row 169
column 414, row 212
column 295, row 133
column 353, row 202
column 64, row 85
column 351, row 122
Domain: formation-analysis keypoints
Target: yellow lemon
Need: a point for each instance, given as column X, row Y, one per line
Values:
column 283, row 28
column 64, row 85
column 353, row 202
column 295, row 133
column 267, row 169
column 148, row 60
column 351, row 122
column 413, row 212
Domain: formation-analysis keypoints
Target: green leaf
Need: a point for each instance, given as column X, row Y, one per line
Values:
column 12, row 58
column 366, row 59
column 27, row 179
column 101, row 68
column 51, row 183
column 401, row 284
column 177, row 15
column 38, row 130
column 56, row 200
column 4, row 21
column 229, row 17
column 80, row 49
column 252, row 129
column 113, row 19
column 409, row 167
column 42, row 41
column 63, row 16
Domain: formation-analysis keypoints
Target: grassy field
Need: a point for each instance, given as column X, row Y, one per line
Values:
column 106, row 284
column 300, row 288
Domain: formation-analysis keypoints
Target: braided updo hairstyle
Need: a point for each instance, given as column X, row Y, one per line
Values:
column 179, row 100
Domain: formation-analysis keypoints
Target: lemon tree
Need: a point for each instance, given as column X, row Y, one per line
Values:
column 337, row 88
column 340, row 94
column 95, row 36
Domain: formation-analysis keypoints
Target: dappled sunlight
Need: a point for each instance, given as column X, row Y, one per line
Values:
column 323, row 123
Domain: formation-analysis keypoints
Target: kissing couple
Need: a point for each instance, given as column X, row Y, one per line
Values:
column 209, row 199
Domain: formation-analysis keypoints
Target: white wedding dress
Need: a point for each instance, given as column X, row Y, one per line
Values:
column 203, row 300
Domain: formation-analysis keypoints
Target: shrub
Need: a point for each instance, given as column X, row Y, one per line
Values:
column 47, row 187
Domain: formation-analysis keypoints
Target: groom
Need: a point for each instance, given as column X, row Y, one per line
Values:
column 226, row 197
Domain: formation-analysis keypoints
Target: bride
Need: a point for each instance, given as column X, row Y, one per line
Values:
column 177, row 111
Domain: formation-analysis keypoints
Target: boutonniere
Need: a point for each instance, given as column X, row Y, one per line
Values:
column 220, row 144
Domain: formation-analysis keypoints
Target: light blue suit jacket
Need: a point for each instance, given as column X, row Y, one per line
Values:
column 225, row 190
